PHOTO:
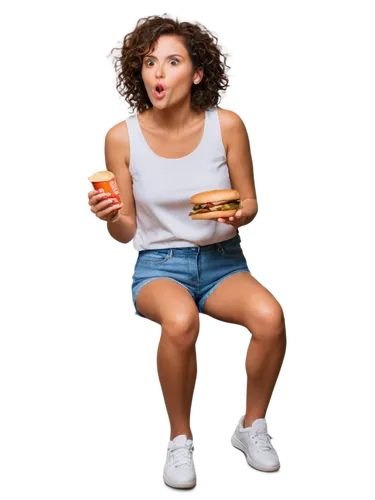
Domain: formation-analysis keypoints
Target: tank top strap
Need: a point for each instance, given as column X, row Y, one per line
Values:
column 213, row 142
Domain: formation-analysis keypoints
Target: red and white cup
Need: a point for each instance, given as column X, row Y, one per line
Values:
column 106, row 180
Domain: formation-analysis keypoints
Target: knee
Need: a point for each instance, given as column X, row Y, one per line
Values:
column 182, row 328
column 270, row 323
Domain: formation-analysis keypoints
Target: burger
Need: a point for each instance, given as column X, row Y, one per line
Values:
column 215, row 204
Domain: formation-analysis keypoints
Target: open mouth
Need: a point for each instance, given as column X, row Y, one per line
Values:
column 159, row 90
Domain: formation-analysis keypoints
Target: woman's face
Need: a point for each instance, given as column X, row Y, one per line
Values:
column 170, row 65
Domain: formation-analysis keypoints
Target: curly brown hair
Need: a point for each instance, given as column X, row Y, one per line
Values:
column 201, row 46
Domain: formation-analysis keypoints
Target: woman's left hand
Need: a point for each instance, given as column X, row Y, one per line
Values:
column 245, row 214
column 235, row 220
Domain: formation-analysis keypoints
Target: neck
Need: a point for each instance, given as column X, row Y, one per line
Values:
column 174, row 119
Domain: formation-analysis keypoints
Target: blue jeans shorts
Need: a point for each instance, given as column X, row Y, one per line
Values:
column 200, row 269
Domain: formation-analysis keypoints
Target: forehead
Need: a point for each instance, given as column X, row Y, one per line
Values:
column 168, row 43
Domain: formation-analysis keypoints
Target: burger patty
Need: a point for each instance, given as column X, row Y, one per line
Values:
column 211, row 207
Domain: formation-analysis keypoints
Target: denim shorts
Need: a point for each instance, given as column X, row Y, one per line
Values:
column 200, row 269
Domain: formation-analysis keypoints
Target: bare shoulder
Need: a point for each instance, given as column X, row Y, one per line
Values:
column 118, row 130
column 230, row 122
column 230, row 118
column 117, row 137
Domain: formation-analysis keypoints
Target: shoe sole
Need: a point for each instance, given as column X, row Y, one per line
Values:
column 240, row 446
column 180, row 485
column 274, row 471
column 190, row 489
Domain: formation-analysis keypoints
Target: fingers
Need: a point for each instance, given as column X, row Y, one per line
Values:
column 96, row 198
column 101, row 201
column 105, row 205
column 102, row 204
column 96, row 195
column 109, row 210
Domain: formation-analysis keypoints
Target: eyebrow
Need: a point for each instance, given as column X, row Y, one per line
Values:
column 168, row 56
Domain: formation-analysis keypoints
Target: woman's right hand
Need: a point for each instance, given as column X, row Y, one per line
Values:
column 102, row 205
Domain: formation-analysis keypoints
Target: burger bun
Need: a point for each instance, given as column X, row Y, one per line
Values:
column 215, row 195
column 214, row 215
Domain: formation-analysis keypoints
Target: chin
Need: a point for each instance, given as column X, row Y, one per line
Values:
column 162, row 105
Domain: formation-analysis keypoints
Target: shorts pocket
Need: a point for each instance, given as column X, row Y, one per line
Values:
column 155, row 257
column 231, row 248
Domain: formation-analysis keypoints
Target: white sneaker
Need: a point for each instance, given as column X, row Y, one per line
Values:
column 179, row 471
column 255, row 442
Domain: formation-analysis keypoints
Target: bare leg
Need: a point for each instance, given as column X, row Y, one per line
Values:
column 263, row 363
column 170, row 305
column 193, row 378
column 242, row 300
column 177, row 369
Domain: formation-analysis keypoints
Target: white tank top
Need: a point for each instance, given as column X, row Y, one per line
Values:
column 162, row 188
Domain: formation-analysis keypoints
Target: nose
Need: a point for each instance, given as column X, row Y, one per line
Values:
column 159, row 71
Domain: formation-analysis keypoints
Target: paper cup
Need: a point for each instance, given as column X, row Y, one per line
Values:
column 106, row 180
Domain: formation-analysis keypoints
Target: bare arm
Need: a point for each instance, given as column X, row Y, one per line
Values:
column 116, row 159
column 239, row 161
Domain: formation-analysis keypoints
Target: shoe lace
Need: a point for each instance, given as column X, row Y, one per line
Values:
column 262, row 440
column 182, row 455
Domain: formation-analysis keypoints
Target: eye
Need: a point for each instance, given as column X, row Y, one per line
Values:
column 172, row 60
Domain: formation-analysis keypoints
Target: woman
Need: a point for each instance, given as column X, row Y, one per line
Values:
column 181, row 143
